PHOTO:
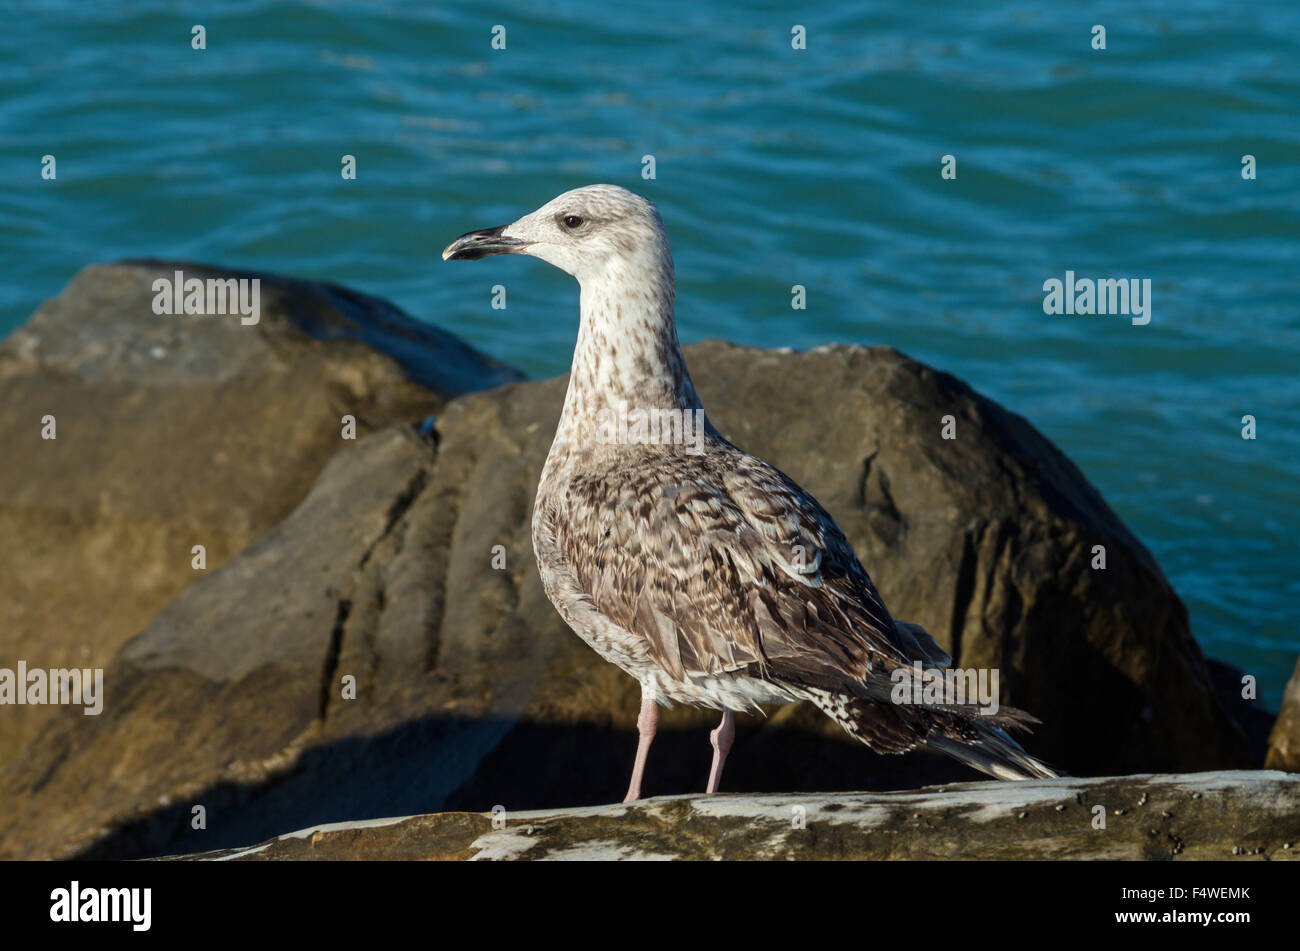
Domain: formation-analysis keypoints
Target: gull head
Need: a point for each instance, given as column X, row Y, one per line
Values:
column 590, row 232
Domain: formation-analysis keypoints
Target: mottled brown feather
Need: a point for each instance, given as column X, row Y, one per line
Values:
column 720, row 562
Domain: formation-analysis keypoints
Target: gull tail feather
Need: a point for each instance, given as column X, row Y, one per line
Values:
column 993, row 752
column 961, row 733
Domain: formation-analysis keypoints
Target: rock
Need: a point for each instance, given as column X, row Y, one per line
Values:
column 179, row 431
column 1255, row 720
column 470, row 691
column 1200, row 816
column 1284, row 741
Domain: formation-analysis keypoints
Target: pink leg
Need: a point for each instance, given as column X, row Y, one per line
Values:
column 646, row 724
column 721, row 739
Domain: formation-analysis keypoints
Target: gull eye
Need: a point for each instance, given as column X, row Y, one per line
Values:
column 572, row 221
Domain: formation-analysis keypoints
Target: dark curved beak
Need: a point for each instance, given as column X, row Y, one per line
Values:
column 479, row 244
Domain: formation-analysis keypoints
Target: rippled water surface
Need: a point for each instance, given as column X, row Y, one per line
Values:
column 774, row 167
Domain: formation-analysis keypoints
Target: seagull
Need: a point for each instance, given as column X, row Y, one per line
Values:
column 700, row 570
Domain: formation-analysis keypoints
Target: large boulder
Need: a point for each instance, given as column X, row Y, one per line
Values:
column 1251, row 816
column 1284, row 741
column 176, row 431
column 470, row 692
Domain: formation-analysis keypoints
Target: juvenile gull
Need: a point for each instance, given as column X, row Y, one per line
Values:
column 700, row 570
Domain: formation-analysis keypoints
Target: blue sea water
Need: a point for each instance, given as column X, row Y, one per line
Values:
column 774, row 167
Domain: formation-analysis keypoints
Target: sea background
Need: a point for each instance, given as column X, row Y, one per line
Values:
column 774, row 167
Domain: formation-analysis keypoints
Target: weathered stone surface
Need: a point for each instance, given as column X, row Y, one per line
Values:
column 175, row 432
column 471, row 692
column 1284, row 741
column 1198, row 816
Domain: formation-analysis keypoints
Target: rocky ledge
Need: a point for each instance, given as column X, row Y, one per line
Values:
column 1219, row 815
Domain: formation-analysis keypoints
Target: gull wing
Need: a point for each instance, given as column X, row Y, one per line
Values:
column 720, row 562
